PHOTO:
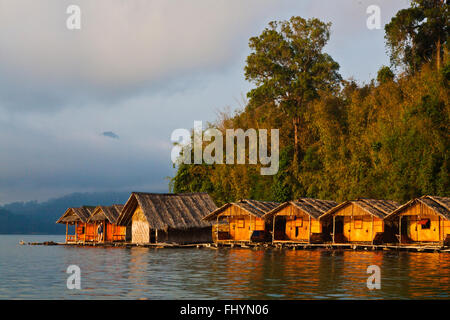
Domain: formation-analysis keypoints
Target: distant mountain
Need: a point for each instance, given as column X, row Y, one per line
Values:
column 39, row 217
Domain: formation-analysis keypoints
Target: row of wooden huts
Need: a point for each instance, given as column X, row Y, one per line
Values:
column 194, row 218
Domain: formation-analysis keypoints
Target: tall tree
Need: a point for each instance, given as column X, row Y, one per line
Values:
column 289, row 68
column 418, row 34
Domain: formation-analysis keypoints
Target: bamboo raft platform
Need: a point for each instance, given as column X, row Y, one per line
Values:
column 255, row 245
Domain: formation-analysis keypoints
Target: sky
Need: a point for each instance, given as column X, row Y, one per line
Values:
column 93, row 109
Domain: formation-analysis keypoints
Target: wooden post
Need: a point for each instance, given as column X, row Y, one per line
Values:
column 400, row 229
column 273, row 228
column 439, row 224
column 372, row 228
column 76, row 234
column 334, row 228
column 309, row 233
column 217, row 229
column 156, row 235
column 67, row 230
column 250, row 229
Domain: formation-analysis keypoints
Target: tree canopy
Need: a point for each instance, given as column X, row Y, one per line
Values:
column 388, row 139
column 419, row 34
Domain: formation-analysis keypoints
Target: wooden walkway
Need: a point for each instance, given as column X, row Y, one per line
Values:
column 253, row 245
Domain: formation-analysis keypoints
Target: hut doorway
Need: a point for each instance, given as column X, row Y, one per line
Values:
column 339, row 229
column 280, row 228
column 152, row 236
column 404, row 222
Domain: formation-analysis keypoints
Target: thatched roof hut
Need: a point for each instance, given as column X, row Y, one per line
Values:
column 313, row 207
column 425, row 219
column 244, row 221
column 297, row 221
column 361, row 220
column 110, row 213
column 106, row 216
column 167, row 210
column 79, row 218
column 440, row 205
column 72, row 215
column 254, row 207
column 178, row 218
column 377, row 208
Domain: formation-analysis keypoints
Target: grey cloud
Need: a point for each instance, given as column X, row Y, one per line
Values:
column 122, row 48
column 110, row 134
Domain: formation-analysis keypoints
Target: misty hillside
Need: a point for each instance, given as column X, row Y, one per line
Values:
column 39, row 217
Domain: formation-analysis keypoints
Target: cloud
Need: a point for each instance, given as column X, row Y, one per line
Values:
column 123, row 47
column 143, row 68
column 110, row 134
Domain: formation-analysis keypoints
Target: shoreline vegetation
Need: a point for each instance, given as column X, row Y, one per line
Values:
column 340, row 140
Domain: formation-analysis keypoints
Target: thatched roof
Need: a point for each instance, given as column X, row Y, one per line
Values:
column 72, row 215
column 111, row 213
column 440, row 205
column 377, row 208
column 253, row 207
column 163, row 211
column 313, row 207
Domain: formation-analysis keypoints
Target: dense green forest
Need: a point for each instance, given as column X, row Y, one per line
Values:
column 339, row 140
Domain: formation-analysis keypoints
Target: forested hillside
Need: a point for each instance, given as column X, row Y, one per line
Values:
column 339, row 140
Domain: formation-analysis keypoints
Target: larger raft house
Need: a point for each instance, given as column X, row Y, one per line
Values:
column 77, row 217
column 424, row 220
column 298, row 221
column 361, row 221
column 168, row 218
column 242, row 221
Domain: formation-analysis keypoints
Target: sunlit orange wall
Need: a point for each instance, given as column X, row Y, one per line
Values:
column 356, row 231
column 296, row 218
column 241, row 223
column 439, row 228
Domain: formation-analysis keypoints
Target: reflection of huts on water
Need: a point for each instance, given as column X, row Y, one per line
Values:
column 242, row 221
column 298, row 221
column 78, row 218
column 168, row 218
column 106, row 216
column 423, row 220
column 361, row 221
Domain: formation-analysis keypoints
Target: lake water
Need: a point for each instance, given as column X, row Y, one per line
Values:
column 39, row 272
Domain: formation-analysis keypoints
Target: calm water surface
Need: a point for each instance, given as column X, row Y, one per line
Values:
column 39, row 272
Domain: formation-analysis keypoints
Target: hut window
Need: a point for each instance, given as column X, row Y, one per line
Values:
column 358, row 223
column 296, row 231
column 241, row 223
column 425, row 223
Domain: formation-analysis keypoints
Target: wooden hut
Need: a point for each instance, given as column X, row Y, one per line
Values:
column 360, row 221
column 242, row 221
column 168, row 218
column 78, row 218
column 107, row 216
column 423, row 220
column 298, row 221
